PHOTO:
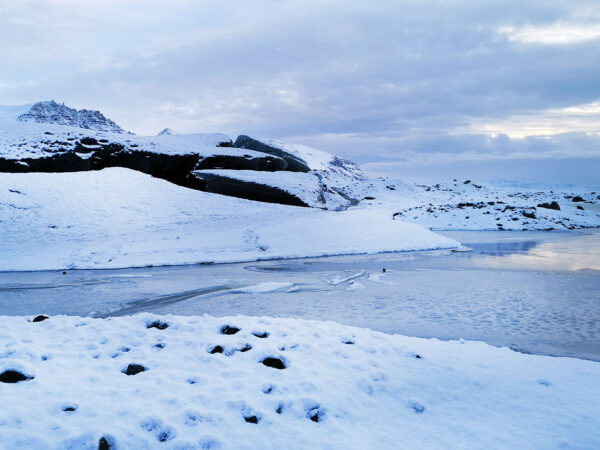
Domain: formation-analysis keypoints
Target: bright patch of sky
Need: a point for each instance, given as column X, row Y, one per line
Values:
column 381, row 82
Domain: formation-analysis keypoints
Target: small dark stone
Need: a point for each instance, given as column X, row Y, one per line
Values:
column 246, row 348
column 158, row 324
column 580, row 207
column 40, row 318
column 369, row 198
column 217, row 349
column 467, row 181
column 229, row 330
column 552, row 205
column 349, row 342
column 163, row 436
column 69, row 409
column 13, row 376
column 577, row 198
column 275, row 363
column 262, row 335
column 64, row 273
column 268, row 390
column 159, row 345
column 383, row 270
column 279, row 409
column 251, row 419
column 103, row 444
column 134, row 369
column 529, row 215
column 417, row 356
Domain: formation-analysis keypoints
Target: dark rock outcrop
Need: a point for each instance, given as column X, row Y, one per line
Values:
column 295, row 164
column 245, row 189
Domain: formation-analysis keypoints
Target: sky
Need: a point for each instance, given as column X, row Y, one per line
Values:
column 413, row 89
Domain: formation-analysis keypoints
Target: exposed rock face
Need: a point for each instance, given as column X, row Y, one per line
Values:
column 295, row 164
column 244, row 189
column 59, row 114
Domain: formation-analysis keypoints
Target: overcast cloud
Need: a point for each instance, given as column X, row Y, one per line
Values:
column 419, row 89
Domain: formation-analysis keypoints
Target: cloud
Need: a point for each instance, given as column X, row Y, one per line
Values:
column 370, row 80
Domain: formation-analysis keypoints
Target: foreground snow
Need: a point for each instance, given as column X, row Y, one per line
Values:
column 341, row 387
column 122, row 218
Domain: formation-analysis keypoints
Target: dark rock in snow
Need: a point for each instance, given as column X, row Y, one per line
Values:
column 529, row 215
column 577, row 199
column 552, row 205
column 580, row 207
column 159, row 324
column 40, row 318
column 229, row 330
column 134, row 369
column 14, row 376
column 251, row 419
column 275, row 363
column 216, row 349
column 261, row 335
column 103, row 444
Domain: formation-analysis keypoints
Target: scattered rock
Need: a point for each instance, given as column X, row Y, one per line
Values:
column 14, row 376
column 159, row 345
column 580, row 207
column 348, row 342
column 279, row 409
column 216, row 349
column 158, row 324
column 134, row 369
column 261, row 335
column 552, row 205
column 275, row 363
column 251, row 419
column 529, row 215
column 40, row 318
column 69, row 408
column 229, row 330
column 368, row 198
column 103, row 444
column 467, row 181
column 578, row 199
column 246, row 348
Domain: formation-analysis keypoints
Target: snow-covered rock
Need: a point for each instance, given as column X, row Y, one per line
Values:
column 240, row 382
column 59, row 114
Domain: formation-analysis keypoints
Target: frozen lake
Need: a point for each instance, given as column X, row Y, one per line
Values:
column 537, row 292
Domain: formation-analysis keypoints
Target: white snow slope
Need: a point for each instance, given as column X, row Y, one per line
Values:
column 362, row 389
column 121, row 218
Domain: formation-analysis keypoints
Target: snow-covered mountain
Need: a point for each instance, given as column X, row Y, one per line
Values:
column 51, row 137
column 59, row 114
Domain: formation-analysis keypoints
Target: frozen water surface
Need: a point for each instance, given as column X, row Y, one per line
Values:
column 536, row 292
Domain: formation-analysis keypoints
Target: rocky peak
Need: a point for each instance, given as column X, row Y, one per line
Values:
column 59, row 114
column 166, row 132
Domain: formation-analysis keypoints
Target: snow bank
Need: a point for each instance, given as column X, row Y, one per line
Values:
column 341, row 387
column 121, row 218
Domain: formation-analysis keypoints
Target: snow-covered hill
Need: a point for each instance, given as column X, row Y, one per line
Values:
column 174, row 382
column 121, row 218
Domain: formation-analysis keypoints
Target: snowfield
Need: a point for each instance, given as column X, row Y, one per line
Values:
column 206, row 385
column 122, row 218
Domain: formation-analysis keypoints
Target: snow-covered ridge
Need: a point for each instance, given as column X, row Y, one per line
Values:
column 148, row 381
column 59, row 114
